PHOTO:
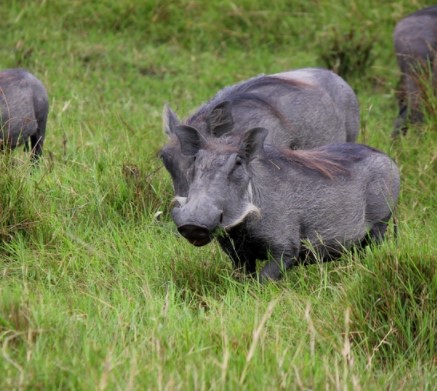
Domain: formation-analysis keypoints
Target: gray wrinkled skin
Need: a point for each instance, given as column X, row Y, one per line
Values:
column 415, row 42
column 302, row 109
column 24, row 109
column 264, row 202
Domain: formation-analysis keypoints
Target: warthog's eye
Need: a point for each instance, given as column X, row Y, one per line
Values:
column 237, row 172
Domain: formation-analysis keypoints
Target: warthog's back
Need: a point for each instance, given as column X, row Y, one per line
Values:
column 302, row 109
column 334, row 193
column 23, row 105
column 415, row 36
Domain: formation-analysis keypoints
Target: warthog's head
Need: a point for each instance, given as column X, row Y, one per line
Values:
column 220, row 194
column 215, row 123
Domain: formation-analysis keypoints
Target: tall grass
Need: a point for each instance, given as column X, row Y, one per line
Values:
column 97, row 292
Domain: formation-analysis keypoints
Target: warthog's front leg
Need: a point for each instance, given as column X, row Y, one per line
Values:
column 240, row 259
column 279, row 263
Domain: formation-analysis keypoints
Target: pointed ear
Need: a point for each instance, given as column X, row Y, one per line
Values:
column 252, row 142
column 169, row 121
column 190, row 139
column 220, row 121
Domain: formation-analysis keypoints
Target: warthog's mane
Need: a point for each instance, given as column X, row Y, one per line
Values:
column 330, row 161
column 225, row 144
column 318, row 161
column 245, row 93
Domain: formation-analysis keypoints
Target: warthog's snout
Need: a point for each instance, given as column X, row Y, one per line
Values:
column 196, row 222
column 199, row 236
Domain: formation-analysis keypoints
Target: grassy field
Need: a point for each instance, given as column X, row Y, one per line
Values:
column 97, row 294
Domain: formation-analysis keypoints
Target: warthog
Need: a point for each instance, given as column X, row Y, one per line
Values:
column 261, row 201
column 415, row 42
column 24, row 108
column 303, row 109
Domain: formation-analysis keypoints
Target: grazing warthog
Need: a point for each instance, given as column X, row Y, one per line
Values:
column 415, row 42
column 24, row 108
column 261, row 201
column 303, row 109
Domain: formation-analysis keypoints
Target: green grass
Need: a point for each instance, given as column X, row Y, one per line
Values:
column 95, row 293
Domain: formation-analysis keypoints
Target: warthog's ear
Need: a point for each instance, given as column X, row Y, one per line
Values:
column 169, row 120
column 220, row 121
column 190, row 139
column 253, row 142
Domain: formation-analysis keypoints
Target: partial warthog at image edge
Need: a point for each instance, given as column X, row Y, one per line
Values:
column 24, row 108
column 303, row 109
column 415, row 42
column 264, row 202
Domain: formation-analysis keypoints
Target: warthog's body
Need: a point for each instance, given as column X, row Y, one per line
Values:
column 303, row 109
column 24, row 109
column 415, row 42
column 261, row 200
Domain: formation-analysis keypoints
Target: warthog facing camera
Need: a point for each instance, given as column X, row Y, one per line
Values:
column 262, row 201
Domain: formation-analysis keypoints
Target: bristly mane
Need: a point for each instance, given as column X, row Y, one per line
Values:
column 245, row 92
column 318, row 161
column 330, row 161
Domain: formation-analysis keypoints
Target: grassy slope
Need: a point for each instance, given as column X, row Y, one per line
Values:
column 96, row 294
